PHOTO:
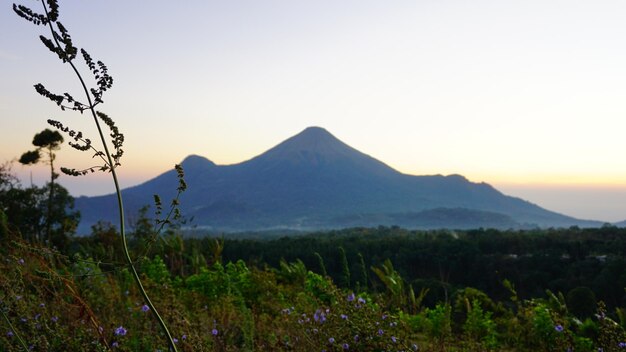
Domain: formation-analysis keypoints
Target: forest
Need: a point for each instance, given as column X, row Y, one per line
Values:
column 361, row 289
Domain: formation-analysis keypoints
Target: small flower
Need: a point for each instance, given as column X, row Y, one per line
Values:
column 21, row 261
column 41, row 305
column 115, row 344
column 361, row 300
column 37, row 316
column 393, row 338
column 415, row 347
column 319, row 316
column 120, row 331
column 351, row 297
column 344, row 317
column 10, row 334
column 54, row 319
column 184, row 337
column 356, row 338
column 18, row 297
column 214, row 332
column 380, row 332
column 175, row 340
column 145, row 308
column 384, row 316
column 558, row 328
column 621, row 345
column 345, row 346
column 331, row 340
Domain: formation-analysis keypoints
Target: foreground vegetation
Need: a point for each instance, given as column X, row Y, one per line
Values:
column 83, row 298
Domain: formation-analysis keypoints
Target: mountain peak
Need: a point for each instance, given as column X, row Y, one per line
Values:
column 311, row 143
column 315, row 131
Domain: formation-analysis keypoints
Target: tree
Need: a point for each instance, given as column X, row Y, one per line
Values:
column 30, row 211
column 46, row 141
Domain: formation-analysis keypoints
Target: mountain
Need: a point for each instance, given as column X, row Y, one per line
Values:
column 313, row 181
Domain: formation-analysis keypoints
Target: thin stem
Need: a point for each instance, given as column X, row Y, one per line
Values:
column 119, row 197
column 22, row 342
column 50, row 197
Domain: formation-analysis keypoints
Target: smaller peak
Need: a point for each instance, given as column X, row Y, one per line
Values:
column 194, row 160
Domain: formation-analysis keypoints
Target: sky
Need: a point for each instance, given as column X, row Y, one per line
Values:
column 527, row 96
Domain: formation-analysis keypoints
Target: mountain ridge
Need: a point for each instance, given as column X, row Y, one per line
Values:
column 313, row 180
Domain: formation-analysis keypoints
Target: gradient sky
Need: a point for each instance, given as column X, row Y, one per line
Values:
column 527, row 96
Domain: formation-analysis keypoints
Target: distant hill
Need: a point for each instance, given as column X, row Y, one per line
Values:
column 315, row 181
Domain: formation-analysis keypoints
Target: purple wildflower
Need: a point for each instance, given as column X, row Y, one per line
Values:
column 214, row 332
column 54, row 319
column 120, row 331
column 380, row 332
column 21, row 261
column 393, row 338
column 345, row 346
column 344, row 317
column 145, row 308
column 351, row 297
column 10, row 334
column 356, row 338
column 184, row 337
column 361, row 300
column 115, row 344
column 558, row 328
column 319, row 316
column 331, row 340
column 621, row 345
column 175, row 340
column 41, row 305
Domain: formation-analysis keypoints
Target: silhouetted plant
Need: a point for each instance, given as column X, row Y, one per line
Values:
column 60, row 43
column 48, row 141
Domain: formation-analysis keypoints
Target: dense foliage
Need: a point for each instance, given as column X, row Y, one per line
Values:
column 382, row 289
column 442, row 261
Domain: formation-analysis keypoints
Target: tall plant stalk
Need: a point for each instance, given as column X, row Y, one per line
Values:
column 67, row 52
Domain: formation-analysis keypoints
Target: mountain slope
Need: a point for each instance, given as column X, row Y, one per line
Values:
column 313, row 180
